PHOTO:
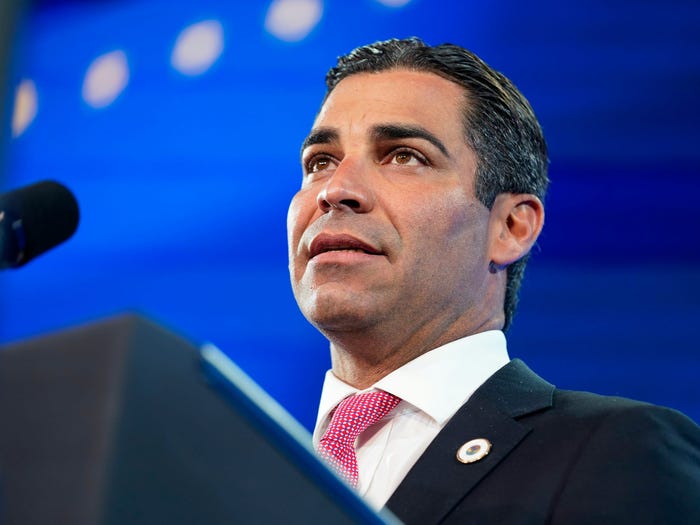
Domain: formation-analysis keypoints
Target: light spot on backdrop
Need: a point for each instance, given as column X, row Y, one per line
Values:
column 394, row 3
column 26, row 106
column 197, row 47
column 105, row 79
column 293, row 20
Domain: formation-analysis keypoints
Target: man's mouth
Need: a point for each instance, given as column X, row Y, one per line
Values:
column 324, row 243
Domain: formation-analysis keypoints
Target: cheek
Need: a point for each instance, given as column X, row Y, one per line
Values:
column 468, row 225
column 465, row 220
column 295, row 228
column 448, row 218
column 299, row 215
column 449, row 237
column 292, row 221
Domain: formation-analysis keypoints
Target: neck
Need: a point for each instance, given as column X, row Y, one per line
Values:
column 362, row 358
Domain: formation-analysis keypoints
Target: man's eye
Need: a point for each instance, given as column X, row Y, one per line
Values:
column 317, row 164
column 407, row 158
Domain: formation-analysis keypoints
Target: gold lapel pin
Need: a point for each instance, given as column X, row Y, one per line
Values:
column 473, row 450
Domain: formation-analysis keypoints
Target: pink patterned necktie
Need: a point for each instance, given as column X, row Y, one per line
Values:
column 350, row 418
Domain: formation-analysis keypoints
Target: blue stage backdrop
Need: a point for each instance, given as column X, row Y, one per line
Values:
column 178, row 125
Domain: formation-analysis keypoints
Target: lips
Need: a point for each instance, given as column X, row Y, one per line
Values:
column 332, row 243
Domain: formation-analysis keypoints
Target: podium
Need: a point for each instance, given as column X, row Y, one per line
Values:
column 123, row 422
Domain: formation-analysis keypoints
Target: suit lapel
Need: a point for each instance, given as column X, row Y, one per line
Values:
column 437, row 482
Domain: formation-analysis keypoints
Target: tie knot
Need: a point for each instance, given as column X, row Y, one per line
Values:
column 355, row 413
column 350, row 418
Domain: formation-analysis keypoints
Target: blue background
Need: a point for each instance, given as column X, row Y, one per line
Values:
column 184, row 182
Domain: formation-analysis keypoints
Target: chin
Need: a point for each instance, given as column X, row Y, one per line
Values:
column 334, row 314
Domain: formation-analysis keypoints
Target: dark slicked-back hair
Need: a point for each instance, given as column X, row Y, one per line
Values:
column 499, row 123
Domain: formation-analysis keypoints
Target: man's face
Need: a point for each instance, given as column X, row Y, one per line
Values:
column 385, row 232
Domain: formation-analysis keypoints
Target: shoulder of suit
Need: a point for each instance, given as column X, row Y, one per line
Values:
column 611, row 411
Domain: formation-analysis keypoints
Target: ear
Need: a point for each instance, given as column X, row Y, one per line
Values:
column 516, row 221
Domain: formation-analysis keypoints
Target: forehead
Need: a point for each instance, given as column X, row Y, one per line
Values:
column 401, row 95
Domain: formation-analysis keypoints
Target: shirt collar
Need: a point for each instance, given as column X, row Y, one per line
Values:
column 437, row 382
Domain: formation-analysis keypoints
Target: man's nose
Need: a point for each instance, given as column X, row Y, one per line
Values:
column 349, row 188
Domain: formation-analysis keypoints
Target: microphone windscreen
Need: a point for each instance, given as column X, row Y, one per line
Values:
column 34, row 219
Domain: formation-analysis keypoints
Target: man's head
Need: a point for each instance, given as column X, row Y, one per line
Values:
column 499, row 124
column 397, row 241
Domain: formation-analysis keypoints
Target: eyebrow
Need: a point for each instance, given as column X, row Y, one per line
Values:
column 320, row 136
column 401, row 131
column 380, row 132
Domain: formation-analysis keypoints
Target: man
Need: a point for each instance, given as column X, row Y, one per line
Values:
column 423, row 181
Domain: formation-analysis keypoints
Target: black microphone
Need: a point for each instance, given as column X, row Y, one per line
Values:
column 34, row 219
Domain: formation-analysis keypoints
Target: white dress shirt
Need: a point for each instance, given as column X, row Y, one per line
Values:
column 432, row 388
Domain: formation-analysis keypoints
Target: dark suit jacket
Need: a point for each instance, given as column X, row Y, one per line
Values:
column 557, row 457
